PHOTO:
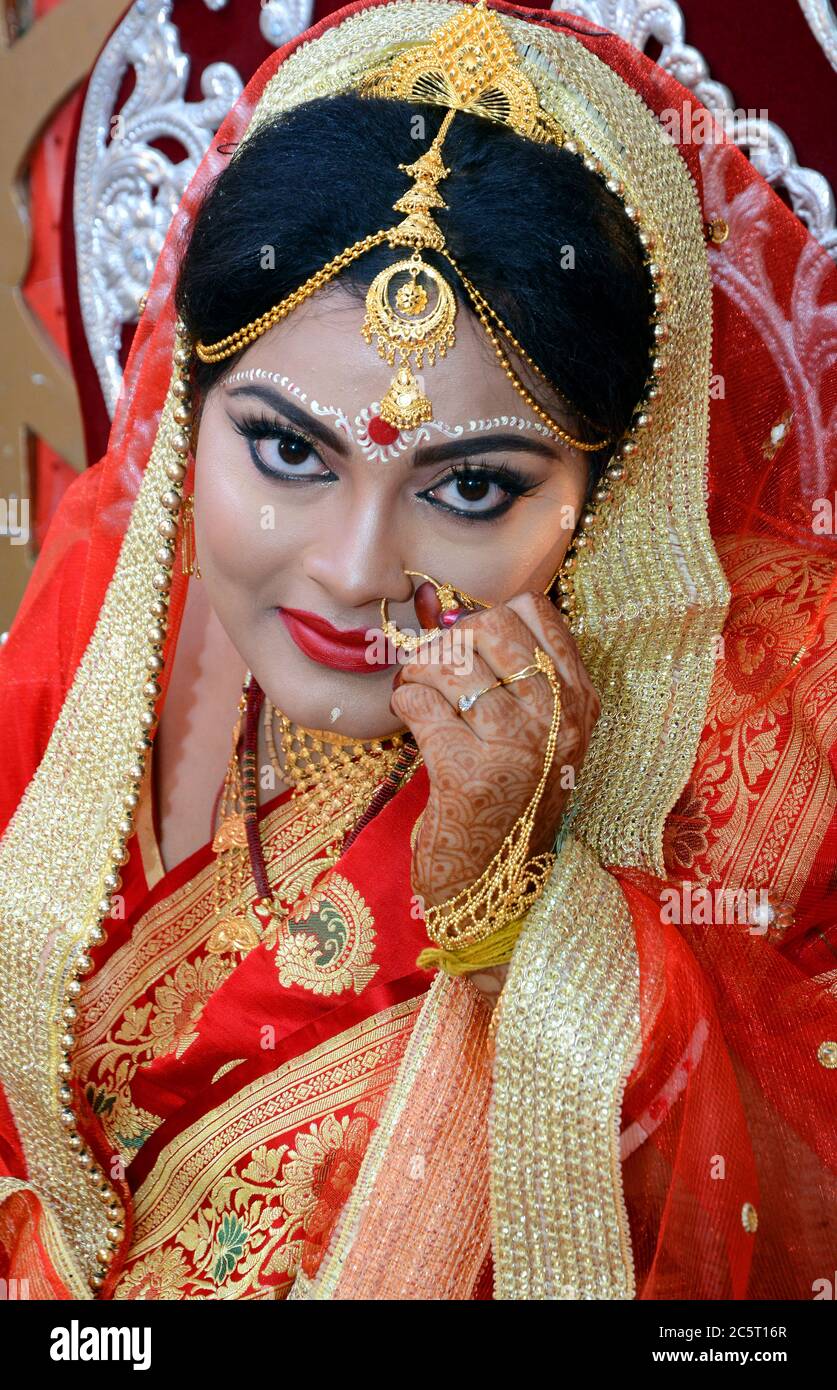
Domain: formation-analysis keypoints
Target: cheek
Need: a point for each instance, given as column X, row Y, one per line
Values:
column 534, row 543
column 238, row 535
column 571, row 503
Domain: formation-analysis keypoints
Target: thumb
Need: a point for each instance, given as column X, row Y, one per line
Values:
column 428, row 608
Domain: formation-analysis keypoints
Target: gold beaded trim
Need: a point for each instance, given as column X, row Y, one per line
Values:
column 617, row 468
column 567, row 1036
column 170, row 503
column 74, row 822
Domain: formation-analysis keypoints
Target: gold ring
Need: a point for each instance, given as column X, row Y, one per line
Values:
column 466, row 701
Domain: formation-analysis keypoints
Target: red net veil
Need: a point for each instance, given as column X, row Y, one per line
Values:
column 728, row 1141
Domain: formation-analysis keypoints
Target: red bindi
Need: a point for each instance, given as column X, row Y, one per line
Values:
column 381, row 432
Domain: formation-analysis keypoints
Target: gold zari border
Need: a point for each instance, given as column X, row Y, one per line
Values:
column 53, row 860
column 567, row 1037
column 330, row 1076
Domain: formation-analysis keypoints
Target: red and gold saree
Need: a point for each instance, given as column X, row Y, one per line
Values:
column 653, row 1117
column 187, row 1080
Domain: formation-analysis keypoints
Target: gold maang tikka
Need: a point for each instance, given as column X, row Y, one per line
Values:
column 469, row 64
column 401, row 321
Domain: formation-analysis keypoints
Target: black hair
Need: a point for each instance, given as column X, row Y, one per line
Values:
column 538, row 234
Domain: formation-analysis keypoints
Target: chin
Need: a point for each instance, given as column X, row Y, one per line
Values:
column 319, row 695
column 310, row 693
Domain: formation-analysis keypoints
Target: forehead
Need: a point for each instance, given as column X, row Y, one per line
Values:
column 319, row 348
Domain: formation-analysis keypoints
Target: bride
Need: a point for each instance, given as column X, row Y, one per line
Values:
column 418, row 782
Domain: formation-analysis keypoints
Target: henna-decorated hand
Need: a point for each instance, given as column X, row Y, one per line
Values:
column 484, row 766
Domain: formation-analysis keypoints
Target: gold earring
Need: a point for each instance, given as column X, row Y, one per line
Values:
column 555, row 576
column 188, row 553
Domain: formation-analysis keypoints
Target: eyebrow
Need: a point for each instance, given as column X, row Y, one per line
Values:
column 424, row 456
column 307, row 423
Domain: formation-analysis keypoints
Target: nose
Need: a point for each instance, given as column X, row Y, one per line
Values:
column 356, row 555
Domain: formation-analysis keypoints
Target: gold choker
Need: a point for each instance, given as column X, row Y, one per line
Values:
column 340, row 773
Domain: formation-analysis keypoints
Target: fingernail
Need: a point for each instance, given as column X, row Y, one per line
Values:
column 452, row 616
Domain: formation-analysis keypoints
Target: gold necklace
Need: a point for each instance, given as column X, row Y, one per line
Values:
column 337, row 774
column 340, row 773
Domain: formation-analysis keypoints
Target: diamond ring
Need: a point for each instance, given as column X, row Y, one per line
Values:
column 465, row 702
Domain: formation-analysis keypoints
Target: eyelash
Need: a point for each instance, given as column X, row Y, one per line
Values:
column 259, row 427
column 254, row 428
column 504, row 475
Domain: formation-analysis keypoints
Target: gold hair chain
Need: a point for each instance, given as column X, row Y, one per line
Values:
column 469, row 64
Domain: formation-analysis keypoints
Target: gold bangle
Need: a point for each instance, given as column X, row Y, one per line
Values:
column 511, row 882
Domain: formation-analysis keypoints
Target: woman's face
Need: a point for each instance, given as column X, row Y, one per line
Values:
column 303, row 525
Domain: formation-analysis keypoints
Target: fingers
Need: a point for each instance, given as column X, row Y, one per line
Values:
column 580, row 702
column 450, row 680
column 500, row 642
column 499, row 645
column 553, row 635
column 436, row 725
column 427, row 606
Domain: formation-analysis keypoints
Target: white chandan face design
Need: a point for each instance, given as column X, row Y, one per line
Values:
column 358, row 432
column 300, row 532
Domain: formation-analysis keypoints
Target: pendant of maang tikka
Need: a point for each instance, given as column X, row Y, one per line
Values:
column 413, row 318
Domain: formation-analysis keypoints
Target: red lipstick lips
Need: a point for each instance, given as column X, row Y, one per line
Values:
column 329, row 646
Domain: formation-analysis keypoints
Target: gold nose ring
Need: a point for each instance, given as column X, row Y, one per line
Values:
column 449, row 598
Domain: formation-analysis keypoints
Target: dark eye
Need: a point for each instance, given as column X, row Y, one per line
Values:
column 479, row 493
column 472, row 489
column 471, row 494
column 292, row 448
column 279, row 451
column 285, row 452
